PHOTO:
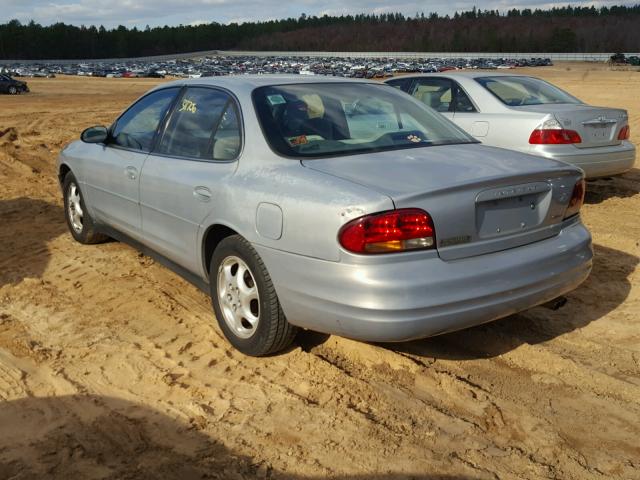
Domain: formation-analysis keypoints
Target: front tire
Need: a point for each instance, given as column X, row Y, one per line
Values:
column 79, row 221
column 245, row 301
column 13, row 90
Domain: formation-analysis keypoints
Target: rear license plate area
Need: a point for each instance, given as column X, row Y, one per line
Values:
column 599, row 133
column 510, row 210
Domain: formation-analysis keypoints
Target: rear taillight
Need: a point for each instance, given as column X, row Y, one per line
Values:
column 554, row 137
column 551, row 132
column 392, row 231
column 624, row 133
column 577, row 199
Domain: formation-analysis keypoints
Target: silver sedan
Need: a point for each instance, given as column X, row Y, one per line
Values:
column 345, row 207
column 529, row 115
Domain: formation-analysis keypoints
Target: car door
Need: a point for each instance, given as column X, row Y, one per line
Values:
column 466, row 114
column 449, row 98
column 112, row 177
column 188, row 171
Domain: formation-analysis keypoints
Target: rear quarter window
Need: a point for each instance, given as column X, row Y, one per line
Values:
column 204, row 125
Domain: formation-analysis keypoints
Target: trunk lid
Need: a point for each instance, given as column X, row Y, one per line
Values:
column 597, row 126
column 481, row 199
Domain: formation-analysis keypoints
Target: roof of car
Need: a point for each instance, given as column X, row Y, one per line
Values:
column 249, row 82
column 467, row 73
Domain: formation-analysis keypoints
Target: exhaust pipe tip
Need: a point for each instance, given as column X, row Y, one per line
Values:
column 556, row 303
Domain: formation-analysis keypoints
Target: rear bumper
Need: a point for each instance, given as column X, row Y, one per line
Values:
column 596, row 162
column 422, row 295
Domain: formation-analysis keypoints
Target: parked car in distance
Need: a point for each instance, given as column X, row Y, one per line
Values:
column 335, row 205
column 529, row 115
column 154, row 74
column 12, row 86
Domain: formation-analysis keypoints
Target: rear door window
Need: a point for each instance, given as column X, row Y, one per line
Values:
column 137, row 127
column 436, row 93
column 204, row 126
column 403, row 84
column 462, row 102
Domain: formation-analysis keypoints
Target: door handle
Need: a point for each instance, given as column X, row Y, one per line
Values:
column 202, row 193
column 131, row 172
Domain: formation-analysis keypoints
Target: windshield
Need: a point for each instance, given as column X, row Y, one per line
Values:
column 328, row 119
column 516, row 91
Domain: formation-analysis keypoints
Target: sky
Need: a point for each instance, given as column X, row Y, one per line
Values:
column 140, row 13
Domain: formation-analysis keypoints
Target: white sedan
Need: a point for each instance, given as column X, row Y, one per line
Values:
column 529, row 115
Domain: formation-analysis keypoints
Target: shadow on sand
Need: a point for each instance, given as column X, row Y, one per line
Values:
column 622, row 186
column 87, row 437
column 27, row 225
column 588, row 303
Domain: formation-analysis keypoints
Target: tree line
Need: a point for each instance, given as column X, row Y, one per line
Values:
column 559, row 29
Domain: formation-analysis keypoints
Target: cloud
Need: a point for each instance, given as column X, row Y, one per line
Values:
column 174, row 12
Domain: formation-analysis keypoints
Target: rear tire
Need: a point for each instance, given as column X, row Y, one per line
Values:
column 80, row 223
column 245, row 301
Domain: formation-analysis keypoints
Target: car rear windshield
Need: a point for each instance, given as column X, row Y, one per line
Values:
column 329, row 119
column 515, row 91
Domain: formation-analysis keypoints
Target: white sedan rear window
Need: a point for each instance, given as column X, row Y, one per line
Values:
column 515, row 91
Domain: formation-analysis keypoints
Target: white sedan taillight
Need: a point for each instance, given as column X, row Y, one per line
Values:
column 550, row 132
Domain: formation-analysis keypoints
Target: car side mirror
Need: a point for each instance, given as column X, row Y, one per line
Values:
column 97, row 134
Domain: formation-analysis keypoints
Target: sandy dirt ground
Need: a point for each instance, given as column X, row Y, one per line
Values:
column 111, row 366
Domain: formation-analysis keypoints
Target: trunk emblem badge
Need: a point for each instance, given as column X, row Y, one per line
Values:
column 601, row 120
column 451, row 241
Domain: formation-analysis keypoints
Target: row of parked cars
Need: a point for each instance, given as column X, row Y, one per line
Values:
column 228, row 65
column 622, row 59
column 348, row 206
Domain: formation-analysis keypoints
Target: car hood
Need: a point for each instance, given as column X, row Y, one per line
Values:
column 399, row 173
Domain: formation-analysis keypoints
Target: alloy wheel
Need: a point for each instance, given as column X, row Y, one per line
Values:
column 238, row 296
column 74, row 208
